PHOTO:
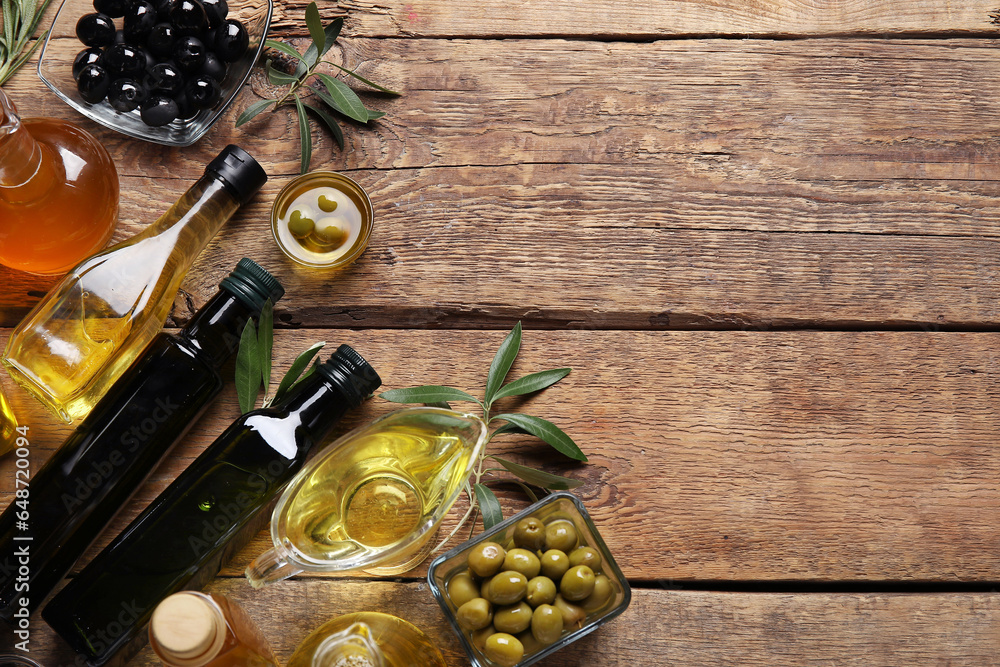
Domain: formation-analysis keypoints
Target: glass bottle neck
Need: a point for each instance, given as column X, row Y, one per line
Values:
column 25, row 173
column 195, row 218
column 318, row 403
column 214, row 331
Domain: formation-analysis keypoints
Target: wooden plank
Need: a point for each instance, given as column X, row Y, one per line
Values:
column 663, row 189
column 812, row 456
column 440, row 262
column 660, row 627
column 649, row 19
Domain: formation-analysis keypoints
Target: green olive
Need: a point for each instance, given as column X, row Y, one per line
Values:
column 474, row 614
column 523, row 561
column 484, row 588
column 573, row 615
column 541, row 590
column 514, row 619
column 560, row 535
column 326, row 204
column 486, row 559
column 554, row 564
column 577, row 584
column 462, row 588
column 504, row 649
column 479, row 637
column 546, row 624
column 530, row 533
column 507, row 588
column 597, row 599
column 588, row 556
column 299, row 225
column 528, row 641
column 330, row 232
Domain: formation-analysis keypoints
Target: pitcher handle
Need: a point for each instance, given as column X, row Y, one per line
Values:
column 271, row 566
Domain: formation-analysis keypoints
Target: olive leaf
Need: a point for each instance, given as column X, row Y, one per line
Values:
column 502, row 362
column 332, row 92
column 546, row 480
column 547, row 431
column 247, row 368
column 532, row 383
column 305, row 136
column 295, row 370
column 265, row 341
column 427, row 394
column 489, row 506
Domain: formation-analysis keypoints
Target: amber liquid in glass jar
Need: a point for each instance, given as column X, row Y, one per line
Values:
column 58, row 193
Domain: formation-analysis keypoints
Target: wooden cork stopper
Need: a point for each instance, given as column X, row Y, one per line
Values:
column 187, row 629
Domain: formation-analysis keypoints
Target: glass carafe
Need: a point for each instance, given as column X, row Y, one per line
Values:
column 367, row 639
column 92, row 325
column 373, row 499
column 58, row 193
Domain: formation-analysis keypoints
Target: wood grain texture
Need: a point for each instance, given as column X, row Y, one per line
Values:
column 648, row 19
column 693, row 184
column 660, row 627
column 761, row 456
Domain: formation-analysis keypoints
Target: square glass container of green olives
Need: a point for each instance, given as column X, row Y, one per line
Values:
column 530, row 585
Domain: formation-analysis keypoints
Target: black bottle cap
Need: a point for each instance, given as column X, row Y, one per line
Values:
column 348, row 370
column 252, row 284
column 240, row 171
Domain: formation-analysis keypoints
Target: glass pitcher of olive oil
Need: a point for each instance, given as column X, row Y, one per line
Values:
column 367, row 639
column 374, row 499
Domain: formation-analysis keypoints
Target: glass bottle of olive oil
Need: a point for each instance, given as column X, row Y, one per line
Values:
column 82, row 336
column 211, row 510
column 90, row 477
column 192, row 629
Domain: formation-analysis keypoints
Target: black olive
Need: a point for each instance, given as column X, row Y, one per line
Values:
column 95, row 29
column 113, row 8
column 139, row 21
column 120, row 37
column 216, row 10
column 185, row 109
column 231, row 41
column 189, row 17
column 213, row 67
column 164, row 78
column 93, row 83
column 125, row 60
column 204, row 92
column 158, row 110
column 89, row 56
column 163, row 8
column 161, row 39
column 124, row 95
column 189, row 54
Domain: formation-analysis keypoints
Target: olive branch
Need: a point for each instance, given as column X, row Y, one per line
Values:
column 481, row 497
column 336, row 95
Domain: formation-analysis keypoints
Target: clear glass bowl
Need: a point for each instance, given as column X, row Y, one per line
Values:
column 354, row 214
column 551, row 508
column 61, row 46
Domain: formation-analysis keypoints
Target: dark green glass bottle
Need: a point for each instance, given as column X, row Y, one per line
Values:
column 210, row 511
column 90, row 477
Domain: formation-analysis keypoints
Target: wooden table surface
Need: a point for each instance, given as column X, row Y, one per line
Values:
column 764, row 235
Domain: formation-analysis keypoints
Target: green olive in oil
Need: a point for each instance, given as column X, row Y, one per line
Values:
column 322, row 220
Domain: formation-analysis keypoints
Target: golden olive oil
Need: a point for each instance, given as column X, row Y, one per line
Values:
column 8, row 426
column 376, row 491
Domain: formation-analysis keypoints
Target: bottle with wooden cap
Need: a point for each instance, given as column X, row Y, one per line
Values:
column 192, row 629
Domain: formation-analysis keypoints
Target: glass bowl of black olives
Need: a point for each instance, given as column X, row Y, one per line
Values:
column 530, row 585
column 159, row 70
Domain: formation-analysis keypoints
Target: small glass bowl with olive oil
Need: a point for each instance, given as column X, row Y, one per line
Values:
column 322, row 220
